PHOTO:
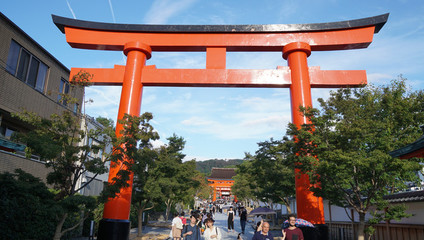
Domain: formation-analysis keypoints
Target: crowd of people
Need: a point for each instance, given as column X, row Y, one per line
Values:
column 201, row 225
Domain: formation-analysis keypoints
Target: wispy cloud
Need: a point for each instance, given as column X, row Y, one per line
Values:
column 106, row 101
column 162, row 10
column 70, row 8
column 253, row 127
column 243, row 118
column 111, row 10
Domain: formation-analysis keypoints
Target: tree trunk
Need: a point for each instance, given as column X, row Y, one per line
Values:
column 361, row 227
column 58, row 231
column 289, row 211
column 168, row 208
column 287, row 204
column 331, row 219
column 140, row 221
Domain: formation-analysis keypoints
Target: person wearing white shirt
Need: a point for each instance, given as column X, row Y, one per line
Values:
column 177, row 227
column 211, row 232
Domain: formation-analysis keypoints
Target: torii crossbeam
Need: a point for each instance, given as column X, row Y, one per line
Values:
column 294, row 41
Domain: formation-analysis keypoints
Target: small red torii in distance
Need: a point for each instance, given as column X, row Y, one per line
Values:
column 294, row 41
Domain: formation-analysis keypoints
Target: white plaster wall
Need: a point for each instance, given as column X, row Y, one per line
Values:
column 415, row 208
column 339, row 215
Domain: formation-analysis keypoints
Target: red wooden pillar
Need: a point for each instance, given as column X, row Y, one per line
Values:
column 214, row 193
column 309, row 207
column 115, row 223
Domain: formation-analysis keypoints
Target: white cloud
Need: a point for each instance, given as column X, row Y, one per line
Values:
column 105, row 101
column 239, row 125
column 162, row 10
column 255, row 60
column 158, row 143
column 270, row 121
column 198, row 121
column 197, row 158
column 379, row 78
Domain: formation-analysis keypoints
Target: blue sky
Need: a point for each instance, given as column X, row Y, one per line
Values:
column 227, row 122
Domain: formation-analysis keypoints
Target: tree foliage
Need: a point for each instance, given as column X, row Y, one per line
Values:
column 134, row 151
column 207, row 165
column 160, row 176
column 203, row 190
column 175, row 178
column 60, row 142
column 244, row 184
column 27, row 206
column 131, row 152
column 345, row 147
column 267, row 176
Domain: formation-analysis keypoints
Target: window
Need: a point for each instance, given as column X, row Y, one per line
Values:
column 6, row 131
column 63, row 89
column 26, row 67
column 12, row 59
column 89, row 143
column 93, row 142
column 76, row 106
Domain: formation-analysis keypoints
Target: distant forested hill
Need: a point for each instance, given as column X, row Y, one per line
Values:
column 206, row 166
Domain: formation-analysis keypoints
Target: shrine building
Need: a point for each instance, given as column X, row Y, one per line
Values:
column 221, row 180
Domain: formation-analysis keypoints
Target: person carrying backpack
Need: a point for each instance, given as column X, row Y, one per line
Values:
column 192, row 231
column 211, row 232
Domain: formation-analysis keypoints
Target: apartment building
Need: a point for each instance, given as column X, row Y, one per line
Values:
column 32, row 79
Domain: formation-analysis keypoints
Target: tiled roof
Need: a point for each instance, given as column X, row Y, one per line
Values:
column 412, row 196
column 410, row 148
column 222, row 173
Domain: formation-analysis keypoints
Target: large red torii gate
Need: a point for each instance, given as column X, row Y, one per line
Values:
column 294, row 41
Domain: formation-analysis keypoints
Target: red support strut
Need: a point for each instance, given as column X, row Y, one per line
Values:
column 308, row 206
column 117, row 211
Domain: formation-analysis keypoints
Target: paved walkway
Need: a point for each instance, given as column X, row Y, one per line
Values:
column 220, row 221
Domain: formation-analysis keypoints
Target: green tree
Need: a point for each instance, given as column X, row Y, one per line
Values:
column 277, row 179
column 27, row 206
column 145, row 190
column 174, row 177
column 134, row 153
column 159, row 174
column 59, row 141
column 345, row 148
column 193, row 183
column 385, row 212
column 268, row 175
column 203, row 191
column 244, row 183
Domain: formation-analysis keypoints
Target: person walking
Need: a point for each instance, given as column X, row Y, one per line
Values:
column 183, row 218
column 177, row 227
column 199, row 220
column 230, row 220
column 211, row 232
column 292, row 232
column 191, row 231
column 243, row 219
